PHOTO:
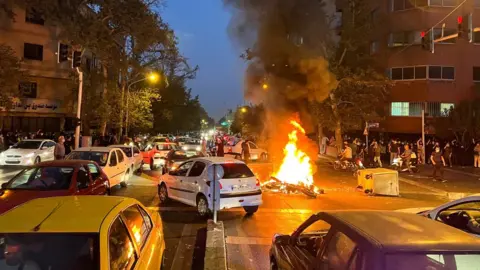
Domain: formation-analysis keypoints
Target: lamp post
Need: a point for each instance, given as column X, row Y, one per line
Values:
column 153, row 78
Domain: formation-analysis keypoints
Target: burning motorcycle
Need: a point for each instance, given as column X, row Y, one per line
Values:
column 398, row 163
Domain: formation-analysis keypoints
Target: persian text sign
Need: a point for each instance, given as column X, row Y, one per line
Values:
column 35, row 105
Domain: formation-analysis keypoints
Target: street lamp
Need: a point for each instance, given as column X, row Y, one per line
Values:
column 265, row 86
column 152, row 77
column 243, row 110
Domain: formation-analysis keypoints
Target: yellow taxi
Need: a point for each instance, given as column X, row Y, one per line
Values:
column 84, row 232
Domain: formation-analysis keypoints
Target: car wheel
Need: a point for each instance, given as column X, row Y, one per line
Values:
column 263, row 157
column 202, row 206
column 126, row 177
column 250, row 209
column 273, row 264
column 37, row 160
column 163, row 193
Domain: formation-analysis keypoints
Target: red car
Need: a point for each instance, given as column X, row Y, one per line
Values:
column 155, row 154
column 54, row 178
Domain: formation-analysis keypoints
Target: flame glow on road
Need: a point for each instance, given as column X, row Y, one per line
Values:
column 296, row 167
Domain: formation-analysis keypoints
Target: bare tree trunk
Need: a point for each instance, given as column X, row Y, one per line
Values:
column 122, row 99
column 338, row 122
column 103, row 126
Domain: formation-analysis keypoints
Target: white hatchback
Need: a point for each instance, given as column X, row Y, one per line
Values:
column 133, row 154
column 113, row 161
column 190, row 184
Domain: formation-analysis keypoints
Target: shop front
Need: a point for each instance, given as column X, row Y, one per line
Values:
column 30, row 115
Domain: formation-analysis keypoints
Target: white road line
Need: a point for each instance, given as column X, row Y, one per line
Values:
column 261, row 210
column 238, row 240
column 179, row 258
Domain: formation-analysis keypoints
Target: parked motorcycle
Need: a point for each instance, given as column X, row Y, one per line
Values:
column 345, row 165
column 397, row 164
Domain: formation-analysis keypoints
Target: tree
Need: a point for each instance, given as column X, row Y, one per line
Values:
column 461, row 122
column 140, row 115
column 249, row 121
column 362, row 88
column 10, row 75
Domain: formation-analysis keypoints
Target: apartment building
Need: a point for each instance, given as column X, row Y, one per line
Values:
column 434, row 80
column 47, row 97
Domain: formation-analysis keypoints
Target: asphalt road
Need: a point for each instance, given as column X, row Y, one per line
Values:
column 248, row 237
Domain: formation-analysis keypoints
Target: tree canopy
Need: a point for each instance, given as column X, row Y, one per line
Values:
column 10, row 75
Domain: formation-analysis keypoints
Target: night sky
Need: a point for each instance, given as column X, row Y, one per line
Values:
column 201, row 26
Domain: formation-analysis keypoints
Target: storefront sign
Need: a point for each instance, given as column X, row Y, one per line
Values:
column 35, row 105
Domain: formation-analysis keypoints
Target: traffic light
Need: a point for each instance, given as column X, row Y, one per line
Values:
column 62, row 54
column 77, row 59
column 464, row 26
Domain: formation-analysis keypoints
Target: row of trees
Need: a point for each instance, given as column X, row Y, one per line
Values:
column 124, row 41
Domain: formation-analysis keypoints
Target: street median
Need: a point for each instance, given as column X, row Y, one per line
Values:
column 215, row 249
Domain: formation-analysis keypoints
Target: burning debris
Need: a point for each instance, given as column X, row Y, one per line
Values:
column 296, row 171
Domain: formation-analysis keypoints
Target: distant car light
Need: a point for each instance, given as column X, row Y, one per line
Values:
column 185, row 148
column 198, row 148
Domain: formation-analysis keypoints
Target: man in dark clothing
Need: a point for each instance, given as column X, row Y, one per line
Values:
column 220, row 149
column 438, row 163
column 246, row 151
column 68, row 145
column 59, row 151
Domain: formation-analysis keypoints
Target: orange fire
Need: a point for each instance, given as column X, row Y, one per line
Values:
column 296, row 167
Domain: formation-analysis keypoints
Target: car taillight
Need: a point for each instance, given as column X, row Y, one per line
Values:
column 208, row 183
column 12, row 249
column 257, row 183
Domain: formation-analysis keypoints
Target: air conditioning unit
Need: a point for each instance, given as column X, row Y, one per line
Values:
column 379, row 181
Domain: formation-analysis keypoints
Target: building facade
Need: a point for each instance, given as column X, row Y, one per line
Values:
column 434, row 80
column 47, row 96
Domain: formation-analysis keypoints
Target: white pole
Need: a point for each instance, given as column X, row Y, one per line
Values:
column 366, row 136
column 79, row 107
column 423, row 134
column 214, row 193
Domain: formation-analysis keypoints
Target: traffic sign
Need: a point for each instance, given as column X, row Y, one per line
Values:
column 373, row 125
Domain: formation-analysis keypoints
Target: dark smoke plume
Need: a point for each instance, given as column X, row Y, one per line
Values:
column 285, row 45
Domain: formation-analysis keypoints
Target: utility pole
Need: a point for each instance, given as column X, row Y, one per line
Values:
column 79, row 107
column 423, row 132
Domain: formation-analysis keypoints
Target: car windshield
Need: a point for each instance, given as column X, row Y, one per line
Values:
column 431, row 260
column 160, row 140
column 42, row 178
column 166, row 147
column 47, row 251
column 236, row 170
column 99, row 157
column 27, row 145
column 127, row 150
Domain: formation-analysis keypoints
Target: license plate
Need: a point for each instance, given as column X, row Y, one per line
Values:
column 239, row 187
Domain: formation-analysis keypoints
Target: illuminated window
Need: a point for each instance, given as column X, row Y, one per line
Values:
column 400, row 108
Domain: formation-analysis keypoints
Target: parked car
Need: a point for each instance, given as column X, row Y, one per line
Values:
column 54, row 178
column 160, row 139
column 155, row 154
column 28, row 152
column 456, row 213
column 113, row 161
column 133, row 154
column 189, row 184
column 235, row 149
column 85, row 232
column 373, row 240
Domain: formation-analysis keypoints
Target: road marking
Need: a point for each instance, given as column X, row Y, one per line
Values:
column 261, row 210
column 182, row 248
column 238, row 240
column 432, row 189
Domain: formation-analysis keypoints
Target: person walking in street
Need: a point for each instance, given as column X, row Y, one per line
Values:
column 406, row 158
column 476, row 155
column 438, row 163
column 420, row 151
column 376, row 153
column 220, row 148
column 246, row 151
column 447, row 154
column 59, row 151
column 323, row 146
column 393, row 149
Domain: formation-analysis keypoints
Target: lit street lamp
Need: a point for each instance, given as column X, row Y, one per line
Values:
column 243, row 110
column 265, row 86
column 152, row 77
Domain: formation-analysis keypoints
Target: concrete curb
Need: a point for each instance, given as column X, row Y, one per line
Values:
column 215, row 248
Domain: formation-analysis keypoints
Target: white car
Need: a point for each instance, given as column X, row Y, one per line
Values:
column 133, row 154
column 28, row 152
column 455, row 213
column 113, row 161
column 256, row 153
column 189, row 184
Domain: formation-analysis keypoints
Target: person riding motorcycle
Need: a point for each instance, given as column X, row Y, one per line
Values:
column 347, row 153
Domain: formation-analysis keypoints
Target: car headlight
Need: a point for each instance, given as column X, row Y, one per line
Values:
column 2, row 154
column 198, row 148
column 29, row 155
column 185, row 148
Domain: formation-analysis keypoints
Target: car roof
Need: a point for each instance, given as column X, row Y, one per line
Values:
column 218, row 160
column 119, row 146
column 94, row 149
column 65, row 163
column 36, row 140
column 77, row 214
column 397, row 231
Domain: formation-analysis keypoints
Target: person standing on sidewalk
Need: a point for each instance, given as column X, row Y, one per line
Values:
column 476, row 155
column 438, row 163
column 59, row 151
